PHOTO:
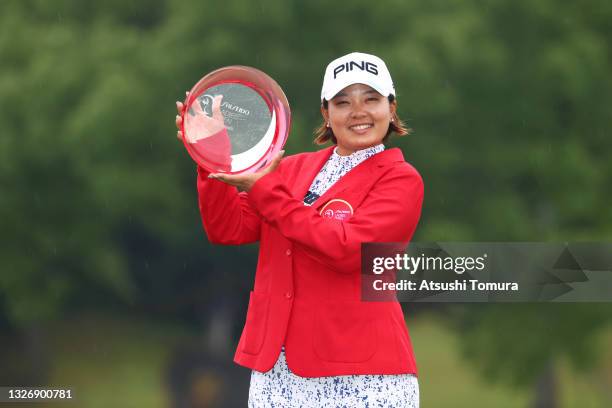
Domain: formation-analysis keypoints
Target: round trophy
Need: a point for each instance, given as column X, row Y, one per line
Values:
column 235, row 120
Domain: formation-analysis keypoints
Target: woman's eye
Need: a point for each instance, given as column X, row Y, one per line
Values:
column 372, row 99
column 342, row 103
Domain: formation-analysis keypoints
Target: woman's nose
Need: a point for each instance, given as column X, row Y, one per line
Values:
column 357, row 114
column 358, row 109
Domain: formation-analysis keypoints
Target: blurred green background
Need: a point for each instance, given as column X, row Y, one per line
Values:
column 107, row 282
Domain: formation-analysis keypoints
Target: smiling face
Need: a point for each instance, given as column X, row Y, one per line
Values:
column 359, row 117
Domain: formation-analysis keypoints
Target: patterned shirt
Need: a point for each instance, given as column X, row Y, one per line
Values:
column 336, row 167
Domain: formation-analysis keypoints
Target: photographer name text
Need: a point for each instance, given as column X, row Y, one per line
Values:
column 456, row 285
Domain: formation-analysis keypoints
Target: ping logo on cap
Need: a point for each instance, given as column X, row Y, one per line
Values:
column 350, row 65
column 356, row 68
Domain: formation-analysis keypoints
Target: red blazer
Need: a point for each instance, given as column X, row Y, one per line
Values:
column 307, row 285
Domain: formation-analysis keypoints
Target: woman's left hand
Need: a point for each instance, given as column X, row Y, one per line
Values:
column 244, row 182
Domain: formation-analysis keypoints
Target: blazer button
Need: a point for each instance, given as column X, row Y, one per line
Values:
column 288, row 252
column 288, row 295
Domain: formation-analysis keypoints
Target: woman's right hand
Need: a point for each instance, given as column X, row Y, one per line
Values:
column 200, row 125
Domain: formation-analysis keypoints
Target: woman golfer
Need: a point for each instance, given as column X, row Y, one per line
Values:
column 308, row 337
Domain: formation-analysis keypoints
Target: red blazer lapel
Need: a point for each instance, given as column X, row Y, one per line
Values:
column 306, row 173
column 358, row 176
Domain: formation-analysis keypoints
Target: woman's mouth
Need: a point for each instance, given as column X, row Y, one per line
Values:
column 361, row 128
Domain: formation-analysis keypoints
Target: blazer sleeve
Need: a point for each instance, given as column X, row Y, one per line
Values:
column 389, row 213
column 227, row 215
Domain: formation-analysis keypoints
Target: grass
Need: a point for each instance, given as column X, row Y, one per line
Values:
column 117, row 362
column 445, row 380
column 114, row 362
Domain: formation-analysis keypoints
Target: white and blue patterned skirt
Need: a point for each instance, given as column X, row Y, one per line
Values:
column 280, row 388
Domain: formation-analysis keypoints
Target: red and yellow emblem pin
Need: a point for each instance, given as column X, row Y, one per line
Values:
column 337, row 209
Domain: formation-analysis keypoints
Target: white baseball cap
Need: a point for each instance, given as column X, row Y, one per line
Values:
column 356, row 68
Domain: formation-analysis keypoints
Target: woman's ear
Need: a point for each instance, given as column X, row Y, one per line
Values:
column 325, row 114
column 393, row 108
